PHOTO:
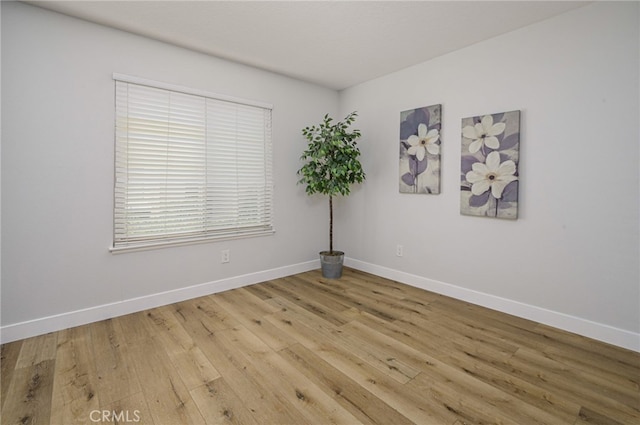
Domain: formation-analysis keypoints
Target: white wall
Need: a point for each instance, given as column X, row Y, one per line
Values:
column 572, row 258
column 57, row 173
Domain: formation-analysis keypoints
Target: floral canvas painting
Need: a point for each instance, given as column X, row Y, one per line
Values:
column 420, row 150
column 489, row 167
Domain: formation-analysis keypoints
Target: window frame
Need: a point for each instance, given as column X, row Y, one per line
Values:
column 265, row 199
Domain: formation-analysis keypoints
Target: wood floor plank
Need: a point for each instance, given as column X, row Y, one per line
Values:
column 562, row 340
column 565, row 412
column 410, row 403
column 590, row 355
column 135, row 327
column 513, row 331
column 75, row 393
column 219, row 404
column 478, row 401
column 202, row 313
column 28, row 398
column 259, row 290
column 244, row 300
column 130, row 409
column 575, row 386
column 427, row 338
column 218, row 317
column 466, row 356
column 174, row 406
column 371, row 295
column 317, row 338
column 240, row 375
column 116, row 377
column 365, row 406
column 167, row 397
column 296, row 291
column 285, row 380
column 434, row 326
column 187, row 358
column 330, row 288
column 8, row 358
column 380, row 356
column 192, row 365
column 291, row 313
column 590, row 417
column 385, row 286
column 624, row 379
column 37, row 349
column 309, row 292
column 382, row 288
column 450, row 384
column 249, row 310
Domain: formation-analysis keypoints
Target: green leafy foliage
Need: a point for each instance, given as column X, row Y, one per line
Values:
column 331, row 158
column 331, row 161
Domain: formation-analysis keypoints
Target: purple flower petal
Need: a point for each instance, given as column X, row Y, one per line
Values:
column 407, row 129
column 510, row 141
column 424, row 115
column 510, row 192
column 466, row 162
column 408, row 179
column 413, row 165
column 478, row 200
column 416, row 166
column 497, row 117
column 409, row 125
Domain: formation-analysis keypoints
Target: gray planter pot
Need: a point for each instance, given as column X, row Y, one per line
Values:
column 331, row 263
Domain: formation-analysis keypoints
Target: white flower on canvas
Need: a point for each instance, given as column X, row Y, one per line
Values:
column 492, row 175
column 424, row 142
column 483, row 133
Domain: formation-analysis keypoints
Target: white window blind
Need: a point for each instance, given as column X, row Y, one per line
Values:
column 189, row 166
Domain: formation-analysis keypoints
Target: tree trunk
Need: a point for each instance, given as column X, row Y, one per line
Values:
column 331, row 224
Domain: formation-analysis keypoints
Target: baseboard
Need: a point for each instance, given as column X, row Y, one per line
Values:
column 71, row 319
column 599, row 331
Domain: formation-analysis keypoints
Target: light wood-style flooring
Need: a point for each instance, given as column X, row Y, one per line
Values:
column 304, row 350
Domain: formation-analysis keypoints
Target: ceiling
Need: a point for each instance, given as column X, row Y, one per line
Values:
column 336, row 44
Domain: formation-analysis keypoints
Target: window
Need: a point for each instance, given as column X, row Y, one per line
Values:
column 189, row 166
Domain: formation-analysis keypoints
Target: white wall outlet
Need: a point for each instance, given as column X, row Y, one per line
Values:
column 399, row 250
column 224, row 257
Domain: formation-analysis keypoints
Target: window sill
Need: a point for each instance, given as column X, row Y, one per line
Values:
column 182, row 242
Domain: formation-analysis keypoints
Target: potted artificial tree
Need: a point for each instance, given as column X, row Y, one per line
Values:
column 331, row 167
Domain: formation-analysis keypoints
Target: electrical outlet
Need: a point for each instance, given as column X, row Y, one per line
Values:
column 224, row 257
column 399, row 250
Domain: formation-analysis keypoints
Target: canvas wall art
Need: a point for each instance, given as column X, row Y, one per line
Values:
column 489, row 165
column 420, row 150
